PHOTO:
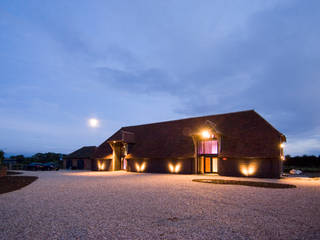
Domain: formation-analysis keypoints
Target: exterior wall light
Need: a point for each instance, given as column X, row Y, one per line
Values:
column 140, row 168
column 282, row 145
column 174, row 169
column 101, row 166
column 283, row 158
column 248, row 170
column 205, row 134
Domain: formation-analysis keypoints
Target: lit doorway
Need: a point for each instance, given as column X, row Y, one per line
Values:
column 124, row 163
column 210, row 164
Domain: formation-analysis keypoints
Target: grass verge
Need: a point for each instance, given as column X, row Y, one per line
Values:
column 246, row 183
column 12, row 183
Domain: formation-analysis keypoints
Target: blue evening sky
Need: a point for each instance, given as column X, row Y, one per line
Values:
column 140, row 61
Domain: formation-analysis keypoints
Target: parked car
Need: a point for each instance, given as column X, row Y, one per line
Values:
column 50, row 166
column 35, row 166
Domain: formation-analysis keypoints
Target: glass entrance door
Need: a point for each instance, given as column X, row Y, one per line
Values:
column 210, row 164
column 207, row 164
column 124, row 164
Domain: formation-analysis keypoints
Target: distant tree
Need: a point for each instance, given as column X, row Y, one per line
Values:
column 47, row 157
column 1, row 157
column 302, row 161
column 18, row 158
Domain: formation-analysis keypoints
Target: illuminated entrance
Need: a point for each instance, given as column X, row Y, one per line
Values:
column 208, row 153
column 208, row 164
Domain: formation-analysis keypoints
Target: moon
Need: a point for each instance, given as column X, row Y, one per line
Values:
column 93, row 122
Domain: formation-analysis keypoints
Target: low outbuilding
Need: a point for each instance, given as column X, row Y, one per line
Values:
column 80, row 159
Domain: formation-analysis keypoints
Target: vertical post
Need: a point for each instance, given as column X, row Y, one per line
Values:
column 116, row 149
column 195, row 163
column 281, row 155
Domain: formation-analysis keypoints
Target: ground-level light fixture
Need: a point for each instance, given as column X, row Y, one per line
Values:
column 248, row 170
column 101, row 166
column 283, row 158
column 174, row 169
column 140, row 168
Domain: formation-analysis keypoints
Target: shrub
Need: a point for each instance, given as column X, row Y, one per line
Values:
column 306, row 161
column 1, row 157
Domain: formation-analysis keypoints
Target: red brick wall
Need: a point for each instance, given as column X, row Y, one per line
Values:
column 161, row 165
column 264, row 167
column 87, row 164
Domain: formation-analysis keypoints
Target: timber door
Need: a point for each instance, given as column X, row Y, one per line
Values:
column 80, row 164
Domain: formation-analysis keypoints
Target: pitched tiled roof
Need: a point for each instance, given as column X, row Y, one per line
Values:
column 103, row 151
column 84, row 152
column 244, row 134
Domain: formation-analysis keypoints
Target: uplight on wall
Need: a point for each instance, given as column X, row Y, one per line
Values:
column 101, row 166
column 174, row 169
column 140, row 168
column 248, row 170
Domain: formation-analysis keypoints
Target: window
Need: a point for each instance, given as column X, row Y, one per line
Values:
column 208, row 147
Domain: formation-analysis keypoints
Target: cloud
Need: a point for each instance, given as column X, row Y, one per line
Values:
column 298, row 146
column 149, row 80
column 158, row 61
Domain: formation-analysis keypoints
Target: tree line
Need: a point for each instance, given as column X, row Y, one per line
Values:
column 38, row 157
column 310, row 161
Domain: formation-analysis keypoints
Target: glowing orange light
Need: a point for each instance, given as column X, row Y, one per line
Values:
column 171, row 168
column 282, row 145
column 101, row 166
column 140, row 168
column 248, row 170
column 177, row 168
column 251, row 170
column 283, row 158
column 244, row 171
column 205, row 134
column 174, row 169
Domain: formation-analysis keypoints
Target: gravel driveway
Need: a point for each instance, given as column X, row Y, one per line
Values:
column 120, row 205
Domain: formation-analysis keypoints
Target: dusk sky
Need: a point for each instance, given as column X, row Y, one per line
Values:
column 133, row 62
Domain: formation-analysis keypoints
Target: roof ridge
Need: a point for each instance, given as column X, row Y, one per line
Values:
column 188, row 118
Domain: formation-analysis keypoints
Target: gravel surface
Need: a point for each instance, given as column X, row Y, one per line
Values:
column 120, row 205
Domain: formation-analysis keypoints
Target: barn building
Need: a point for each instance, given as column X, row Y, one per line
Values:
column 232, row 144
